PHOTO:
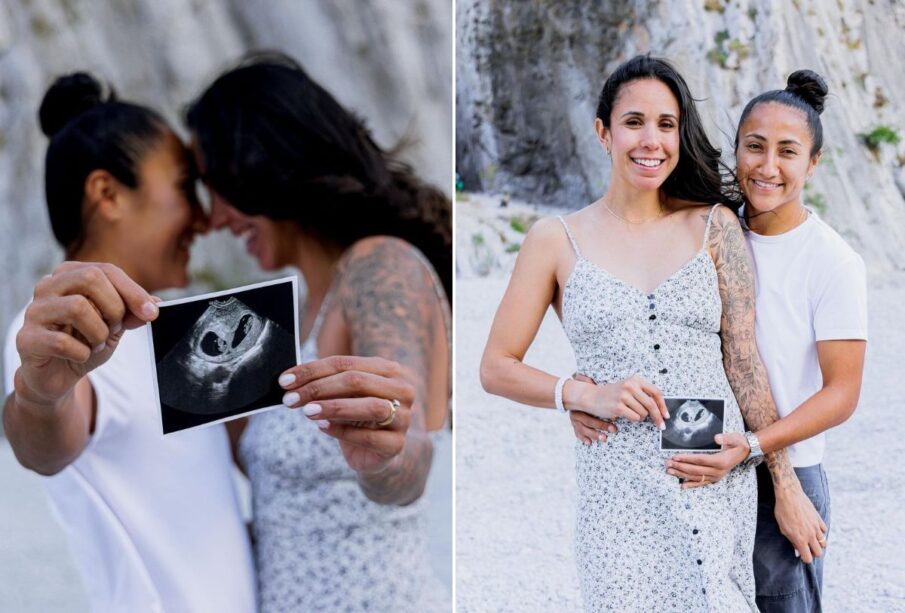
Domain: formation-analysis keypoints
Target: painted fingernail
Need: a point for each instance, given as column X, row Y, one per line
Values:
column 286, row 379
column 116, row 328
column 601, row 438
column 149, row 310
column 100, row 347
column 667, row 414
column 663, row 426
column 290, row 398
column 797, row 555
column 323, row 424
column 312, row 410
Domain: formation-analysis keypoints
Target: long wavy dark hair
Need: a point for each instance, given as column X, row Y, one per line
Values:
column 276, row 143
column 700, row 176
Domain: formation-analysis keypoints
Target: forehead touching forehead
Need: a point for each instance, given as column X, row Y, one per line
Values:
column 647, row 95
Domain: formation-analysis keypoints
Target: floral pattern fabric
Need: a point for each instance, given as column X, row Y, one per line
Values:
column 642, row 543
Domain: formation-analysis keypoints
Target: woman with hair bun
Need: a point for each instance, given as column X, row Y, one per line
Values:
column 338, row 523
column 811, row 331
column 153, row 522
column 655, row 290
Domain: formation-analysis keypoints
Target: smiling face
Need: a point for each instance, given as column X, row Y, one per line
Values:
column 272, row 243
column 773, row 156
column 643, row 137
column 163, row 216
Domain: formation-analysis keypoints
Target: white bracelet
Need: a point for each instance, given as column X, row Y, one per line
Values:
column 557, row 394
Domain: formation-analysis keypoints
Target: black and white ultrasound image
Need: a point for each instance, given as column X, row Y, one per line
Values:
column 220, row 357
column 692, row 424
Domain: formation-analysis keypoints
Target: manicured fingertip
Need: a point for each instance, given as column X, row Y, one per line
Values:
column 149, row 310
column 290, row 398
column 311, row 410
column 156, row 299
column 797, row 555
column 662, row 426
column 323, row 424
column 99, row 347
column 286, row 379
column 116, row 328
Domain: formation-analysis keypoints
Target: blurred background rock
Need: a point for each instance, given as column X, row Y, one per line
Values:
column 390, row 62
column 528, row 75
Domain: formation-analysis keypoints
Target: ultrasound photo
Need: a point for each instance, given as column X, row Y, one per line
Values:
column 692, row 424
column 218, row 356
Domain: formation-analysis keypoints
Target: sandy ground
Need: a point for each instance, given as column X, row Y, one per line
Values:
column 37, row 574
column 515, row 484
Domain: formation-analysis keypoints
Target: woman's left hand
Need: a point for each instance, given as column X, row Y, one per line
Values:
column 705, row 468
column 349, row 397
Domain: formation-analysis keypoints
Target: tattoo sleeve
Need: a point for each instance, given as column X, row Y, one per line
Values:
column 744, row 368
column 390, row 305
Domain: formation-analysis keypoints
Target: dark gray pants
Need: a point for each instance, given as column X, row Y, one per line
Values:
column 783, row 582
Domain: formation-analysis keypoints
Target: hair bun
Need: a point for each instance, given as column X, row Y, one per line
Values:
column 809, row 86
column 68, row 97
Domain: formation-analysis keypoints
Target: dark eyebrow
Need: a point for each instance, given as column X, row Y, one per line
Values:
column 640, row 114
column 789, row 141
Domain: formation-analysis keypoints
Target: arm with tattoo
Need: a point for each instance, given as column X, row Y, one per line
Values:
column 390, row 305
column 744, row 369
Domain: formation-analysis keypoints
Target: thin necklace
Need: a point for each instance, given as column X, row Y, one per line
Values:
column 629, row 221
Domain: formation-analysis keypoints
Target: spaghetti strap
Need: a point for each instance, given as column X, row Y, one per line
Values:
column 321, row 312
column 569, row 234
column 707, row 229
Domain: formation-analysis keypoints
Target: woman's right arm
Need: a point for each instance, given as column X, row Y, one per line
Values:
column 73, row 325
column 532, row 289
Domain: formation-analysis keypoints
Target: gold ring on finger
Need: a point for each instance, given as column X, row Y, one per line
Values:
column 394, row 404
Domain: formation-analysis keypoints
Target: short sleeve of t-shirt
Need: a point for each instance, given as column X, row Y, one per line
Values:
column 841, row 309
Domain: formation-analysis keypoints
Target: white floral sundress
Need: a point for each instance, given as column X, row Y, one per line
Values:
column 643, row 544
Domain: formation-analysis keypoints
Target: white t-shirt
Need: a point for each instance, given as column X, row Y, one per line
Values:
column 811, row 286
column 153, row 522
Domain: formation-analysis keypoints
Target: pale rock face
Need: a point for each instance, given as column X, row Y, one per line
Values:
column 528, row 76
column 390, row 62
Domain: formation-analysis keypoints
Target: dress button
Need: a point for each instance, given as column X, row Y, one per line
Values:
column 663, row 371
column 704, row 590
column 700, row 562
column 657, row 347
column 652, row 317
column 695, row 531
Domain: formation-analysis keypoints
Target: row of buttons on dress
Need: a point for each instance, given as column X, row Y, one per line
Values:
column 653, row 317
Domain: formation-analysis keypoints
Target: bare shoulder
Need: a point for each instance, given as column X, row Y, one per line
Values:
column 725, row 234
column 386, row 293
column 378, row 259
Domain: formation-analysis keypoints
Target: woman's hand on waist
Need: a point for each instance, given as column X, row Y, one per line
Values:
column 635, row 399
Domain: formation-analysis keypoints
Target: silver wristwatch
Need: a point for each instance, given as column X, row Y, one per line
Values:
column 756, row 456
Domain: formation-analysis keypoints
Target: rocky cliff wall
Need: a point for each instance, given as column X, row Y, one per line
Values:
column 389, row 61
column 528, row 75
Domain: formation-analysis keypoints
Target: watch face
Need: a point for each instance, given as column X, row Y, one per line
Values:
column 754, row 444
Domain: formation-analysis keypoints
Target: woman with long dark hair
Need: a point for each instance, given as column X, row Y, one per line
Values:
column 338, row 522
column 655, row 291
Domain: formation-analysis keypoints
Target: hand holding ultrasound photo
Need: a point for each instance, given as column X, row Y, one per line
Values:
column 218, row 356
column 692, row 425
